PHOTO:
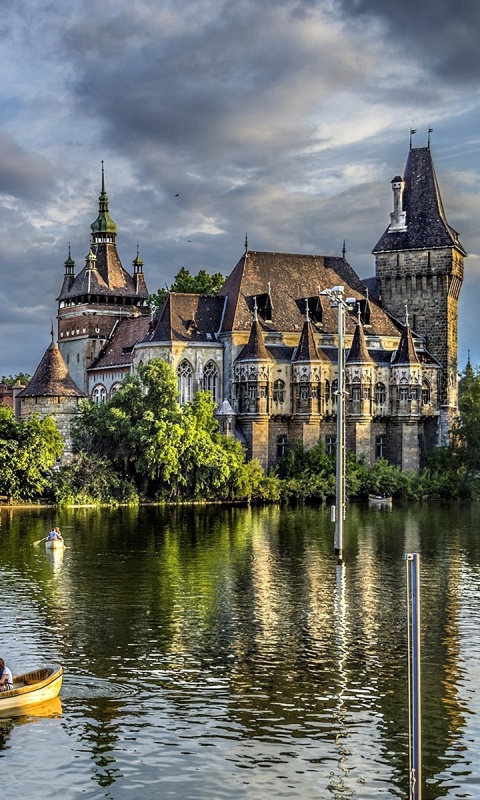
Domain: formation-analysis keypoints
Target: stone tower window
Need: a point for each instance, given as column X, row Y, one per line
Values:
column 185, row 381
column 279, row 391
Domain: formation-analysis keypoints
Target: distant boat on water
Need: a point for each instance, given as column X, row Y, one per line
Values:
column 380, row 499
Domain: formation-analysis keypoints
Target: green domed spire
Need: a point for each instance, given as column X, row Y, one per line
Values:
column 103, row 223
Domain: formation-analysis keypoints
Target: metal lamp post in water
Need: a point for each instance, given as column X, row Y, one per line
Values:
column 337, row 300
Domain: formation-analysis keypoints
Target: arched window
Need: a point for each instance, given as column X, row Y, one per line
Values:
column 327, row 391
column 185, row 381
column 303, row 392
column 210, row 379
column 356, row 391
column 380, row 393
column 426, row 393
column 99, row 394
column 279, row 391
column 403, row 392
column 115, row 388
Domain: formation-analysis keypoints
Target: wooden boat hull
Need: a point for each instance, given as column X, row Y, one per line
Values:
column 54, row 544
column 31, row 688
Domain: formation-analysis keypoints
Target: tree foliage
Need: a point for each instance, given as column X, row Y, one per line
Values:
column 162, row 450
column 21, row 377
column 201, row 283
column 28, row 451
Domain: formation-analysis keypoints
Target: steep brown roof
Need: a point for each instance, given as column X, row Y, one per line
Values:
column 307, row 349
column 255, row 349
column 52, row 378
column 108, row 278
column 406, row 353
column 427, row 227
column 118, row 351
column 188, row 317
column 292, row 278
column 358, row 353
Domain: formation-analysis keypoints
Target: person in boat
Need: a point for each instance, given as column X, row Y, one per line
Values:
column 6, row 677
column 55, row 534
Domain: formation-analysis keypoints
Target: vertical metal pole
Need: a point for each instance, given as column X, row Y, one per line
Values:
column 414, row 682
column 340, row 448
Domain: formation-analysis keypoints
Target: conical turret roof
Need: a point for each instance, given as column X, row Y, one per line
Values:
column 307, row 349
column 52, row 378
column 358, row 353
column 255, row 349
column 406, row 353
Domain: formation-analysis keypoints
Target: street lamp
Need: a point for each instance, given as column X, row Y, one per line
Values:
column 337, row 300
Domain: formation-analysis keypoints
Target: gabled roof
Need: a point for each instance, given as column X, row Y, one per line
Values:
column 358, row 353
column 406, row 353
column 52, row 378
column 255, row 349
column 427, row 227
column 188, row 317
column 291, row 278
column 118, row 350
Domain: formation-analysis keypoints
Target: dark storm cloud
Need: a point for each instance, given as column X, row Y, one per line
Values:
column 23, row 174
column 440, row 34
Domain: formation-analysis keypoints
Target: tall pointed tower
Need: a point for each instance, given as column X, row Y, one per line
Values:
column 419, row 263
column 91, row 303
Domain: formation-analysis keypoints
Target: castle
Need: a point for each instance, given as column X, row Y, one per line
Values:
column 266, row 345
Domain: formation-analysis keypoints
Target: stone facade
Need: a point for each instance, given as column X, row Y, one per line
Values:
column 266, row 346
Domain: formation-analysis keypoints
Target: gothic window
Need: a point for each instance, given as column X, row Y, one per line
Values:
column 356, row 392
column 303, row 392
column 115, row 388
column 327, row 391
column 185, row 381
column 403, row 393
column 99, row 394
column 414, row 393
column 281, row 446
column 380, row 393
column 210, row 379
column 380, row 446
column 367, row 393
column 279, row 391
column 330, row 444
column 425, row 393
column 252, row 392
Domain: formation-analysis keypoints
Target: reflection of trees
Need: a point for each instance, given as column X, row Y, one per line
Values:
column 166, row 597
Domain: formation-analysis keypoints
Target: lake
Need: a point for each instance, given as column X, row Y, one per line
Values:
column 214, row 652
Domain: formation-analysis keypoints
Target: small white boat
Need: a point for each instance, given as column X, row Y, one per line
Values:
column 380, row 499
column 31, row 688
column 54, row 544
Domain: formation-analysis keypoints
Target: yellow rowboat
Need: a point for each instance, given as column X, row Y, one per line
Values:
column 54, row 544
column 31, row 688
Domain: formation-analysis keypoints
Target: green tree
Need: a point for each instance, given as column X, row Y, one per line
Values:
column 184, row 282
column 163, row 450
column 28, row 451
column 21, row 377
column 466, row 432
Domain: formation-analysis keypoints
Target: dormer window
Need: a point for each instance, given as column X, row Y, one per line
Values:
column 265, row 307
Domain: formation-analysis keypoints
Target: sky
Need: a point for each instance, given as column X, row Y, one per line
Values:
column 285, row 120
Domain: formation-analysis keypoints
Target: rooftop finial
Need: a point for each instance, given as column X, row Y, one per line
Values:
column 52, row 332
column 307, row 314
column 412, row 131
column 344, row 250
column 246, row 243
column 406, row 315
column 103, row 179
column 359, row 314
column 430, row 130
column 255, row 309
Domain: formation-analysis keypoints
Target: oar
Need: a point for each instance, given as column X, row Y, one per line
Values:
column 41, row 540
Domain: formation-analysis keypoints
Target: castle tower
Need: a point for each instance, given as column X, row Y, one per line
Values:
column 91, row 303
column 52, row 392
column 252, row 378
column 419, row 260
column 360, row 381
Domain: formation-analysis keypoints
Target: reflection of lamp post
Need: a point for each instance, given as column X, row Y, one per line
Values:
column 338, row 301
